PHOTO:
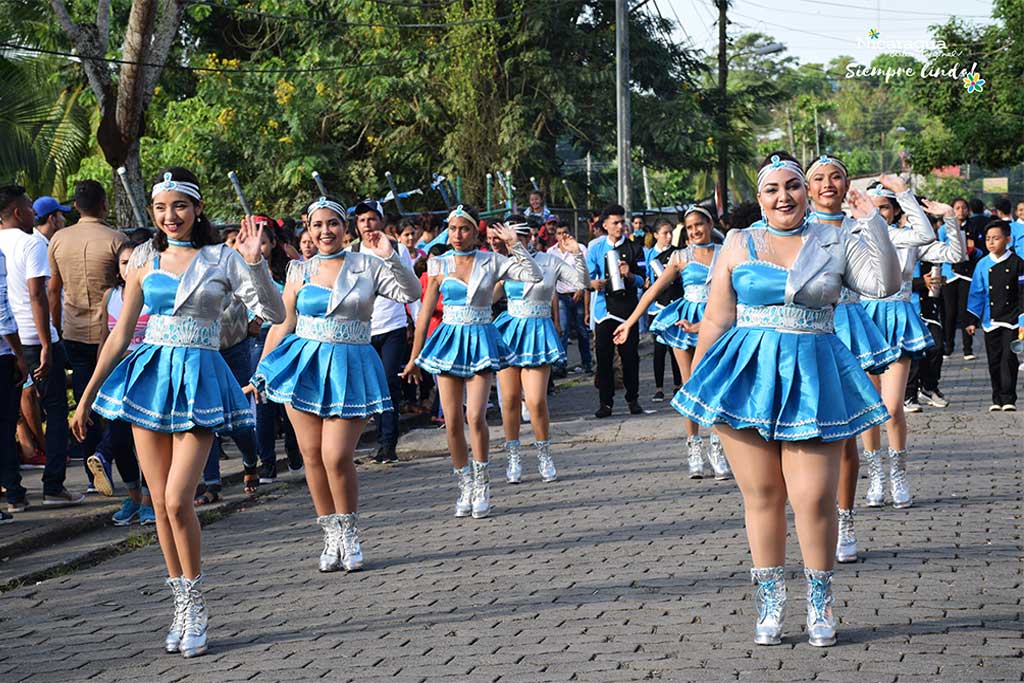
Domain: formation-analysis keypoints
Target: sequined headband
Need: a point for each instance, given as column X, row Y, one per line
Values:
column 325, row 203
column 169, row 185
column 879, row 191
column 826, row 160
column 776, row 164
column 459, row 212
column 698, row 209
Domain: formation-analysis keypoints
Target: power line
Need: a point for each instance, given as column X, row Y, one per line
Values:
column 207, row 69
column 894, row 11
column 343, row 23
column 845, row 16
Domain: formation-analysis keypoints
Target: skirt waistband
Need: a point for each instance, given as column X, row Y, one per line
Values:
column 184, row 331
column 333, row 330
column 787, row 318
column 521, row 308
column 848, row 296
column 696, row 293
column 466, row 315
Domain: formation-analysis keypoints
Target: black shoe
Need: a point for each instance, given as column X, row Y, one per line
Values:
column 295, row 461
column 659, row 396
column 635, row 408
column 384, row 455
column 5, row 518
column 604, row 411
column 268, row 473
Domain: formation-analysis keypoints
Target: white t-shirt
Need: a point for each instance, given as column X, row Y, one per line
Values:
column 7, row 323
column 26, row 259
column 389, row 315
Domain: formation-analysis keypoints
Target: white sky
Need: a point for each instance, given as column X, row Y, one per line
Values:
column 818, row 30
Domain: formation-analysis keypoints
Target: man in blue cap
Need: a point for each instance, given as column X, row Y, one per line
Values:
column 49, row 217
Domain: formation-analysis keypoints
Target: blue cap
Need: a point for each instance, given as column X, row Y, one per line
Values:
column 44, row 206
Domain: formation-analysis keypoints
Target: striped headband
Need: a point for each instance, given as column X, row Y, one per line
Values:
column 776, row 164
column 826, row 160
column 698, row 209
column 459, row 212
column 168, row 185
column 879, row 191
column 325, row 203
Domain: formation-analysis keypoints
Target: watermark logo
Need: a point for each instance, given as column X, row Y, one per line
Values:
column 973, row 82
column 873, row 33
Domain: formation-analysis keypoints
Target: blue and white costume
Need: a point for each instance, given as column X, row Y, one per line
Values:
column 895, row 316
column 527, row 326
column 467, row 343
column 696, row 279
column 327, row 366
column 781, row 369
column 176, row 380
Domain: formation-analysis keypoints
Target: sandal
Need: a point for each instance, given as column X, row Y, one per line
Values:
column 208, row 497
column 251, row 480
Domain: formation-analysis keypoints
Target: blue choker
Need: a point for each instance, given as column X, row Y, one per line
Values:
column 827, row 216
column 180, row 243
column 786, row 233
column 471, row 252
column 709, row 245
column 326, row 257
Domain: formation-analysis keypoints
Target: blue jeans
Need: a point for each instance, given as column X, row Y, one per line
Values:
column 239, row 360
column 394, row 351
column 571, row 316
column 10, row 404
column 53, row 398
column 118, row 446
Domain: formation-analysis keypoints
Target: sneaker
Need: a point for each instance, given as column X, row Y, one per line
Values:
column 577, row 370
column 268, row 472
column 91, row 490
column 36, row 461
column 63, row 498
column 6, row 518
column 635, row 408
column 18, row 506
column 147, row 515
column 911, row 406
column 994, row 408
column 100, row 470
column 1009, row 408
column 384, row 455
column 969, row 356
column 295, row 462
column 588, row 369
column 933, row 398
column 603, row 411
column 129, row 511
column 659, row 396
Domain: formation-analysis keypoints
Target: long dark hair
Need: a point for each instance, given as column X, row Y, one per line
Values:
column 202, row 230
column 125, row 246
column 278, row 258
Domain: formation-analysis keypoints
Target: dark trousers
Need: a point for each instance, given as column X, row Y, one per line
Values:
column 926, row 371
column 629, row 354
column 954, row 315
column 118, row 446
column 82, row 361
column 571, row 317
column 268, row 416
column 10, row 404
column 1002, row 365
column 239, row 360
column 53, row 398
column 660, row 350
column 393, row 349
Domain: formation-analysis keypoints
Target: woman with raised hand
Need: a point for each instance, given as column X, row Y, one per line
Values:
column 466, row 349
column 319, row 363
column 900, row 322
column 780, row 388
column 175, row 388
column 678, row 323
column 529, row 330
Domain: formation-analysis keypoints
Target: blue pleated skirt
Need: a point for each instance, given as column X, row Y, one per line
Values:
column 534, row 341
column 328, row 380
column 175, row 389
column 464, row 350
column 789, row 387
column 859, row 333
column 901, row 325
column 665, row 326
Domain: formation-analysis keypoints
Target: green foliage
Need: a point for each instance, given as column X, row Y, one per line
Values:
column 944, row 189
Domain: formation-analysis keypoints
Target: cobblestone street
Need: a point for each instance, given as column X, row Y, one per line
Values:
column 621, row 570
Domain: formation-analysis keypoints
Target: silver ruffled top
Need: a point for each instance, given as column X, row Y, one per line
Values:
column 488, row 269
column 555, row 270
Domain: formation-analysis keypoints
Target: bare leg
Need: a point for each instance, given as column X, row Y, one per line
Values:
column 894, row 388
column 451, row 389
column 535, row 386
column 685, row 361
column 757, row 466
column 190, row 452
column 309, row 433
column 154, row 451
column 849, row 470
column 511, row 390
column 478, row 389
column 339, row 445
column 811, row 470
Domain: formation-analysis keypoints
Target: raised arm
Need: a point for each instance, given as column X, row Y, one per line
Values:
column 953, row 250
column 249, row 274
column 872, row 267
column 519, row 265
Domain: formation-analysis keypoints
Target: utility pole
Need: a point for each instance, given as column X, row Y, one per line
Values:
column 723, row 76
column 622, row 99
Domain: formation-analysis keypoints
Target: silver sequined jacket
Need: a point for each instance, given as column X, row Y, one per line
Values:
column 361, row 278
column 488, row 268
column 555, row 270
